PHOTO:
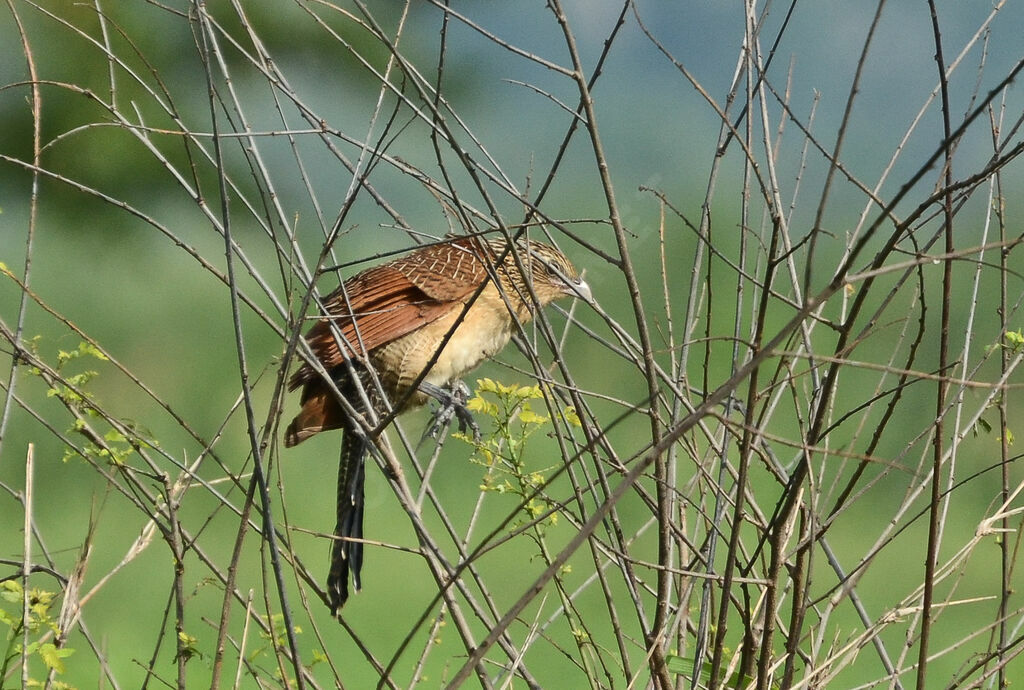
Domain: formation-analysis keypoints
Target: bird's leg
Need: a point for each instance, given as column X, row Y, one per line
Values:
column 452, row 402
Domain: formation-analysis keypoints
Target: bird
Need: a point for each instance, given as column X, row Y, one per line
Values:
column 400, row 333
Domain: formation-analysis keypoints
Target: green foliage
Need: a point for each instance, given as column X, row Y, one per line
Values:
column 113, row 446
column 278, row 633
column 41, row 629
column 684, row 667
column 503, row 451
column 1015, row 340
column 276, row 642
column 69, row 386
column 503, row 454
column 188, row 646
column 84, row 350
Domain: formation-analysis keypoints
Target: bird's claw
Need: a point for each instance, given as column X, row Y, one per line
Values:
column 452, row 403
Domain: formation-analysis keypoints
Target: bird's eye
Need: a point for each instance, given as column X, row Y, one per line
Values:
column 550, row 266
column 557, row 268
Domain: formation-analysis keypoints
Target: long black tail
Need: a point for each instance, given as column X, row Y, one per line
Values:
column 348, row 555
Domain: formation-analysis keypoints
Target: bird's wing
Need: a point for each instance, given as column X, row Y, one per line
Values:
column 386, row 302
column 374, row 308
column 449, row 272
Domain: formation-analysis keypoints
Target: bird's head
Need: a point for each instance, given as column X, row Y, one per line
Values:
column 548, row 271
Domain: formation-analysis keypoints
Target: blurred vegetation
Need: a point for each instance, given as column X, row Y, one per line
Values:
column 123, row 360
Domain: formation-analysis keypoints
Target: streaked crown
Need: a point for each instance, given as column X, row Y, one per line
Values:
column 549, row 271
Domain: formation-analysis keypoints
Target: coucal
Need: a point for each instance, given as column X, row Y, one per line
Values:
column 390, row 323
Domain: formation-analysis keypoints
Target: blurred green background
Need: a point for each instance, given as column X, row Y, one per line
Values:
column 132, row 287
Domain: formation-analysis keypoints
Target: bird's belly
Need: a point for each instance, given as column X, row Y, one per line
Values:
column 482, row 334
column 466, row 349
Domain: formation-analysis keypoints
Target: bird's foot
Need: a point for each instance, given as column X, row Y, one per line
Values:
column 452, row 403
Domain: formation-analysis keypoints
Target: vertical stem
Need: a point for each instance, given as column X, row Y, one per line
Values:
column 178, row 549
column 943, row 385
column 26, row 563
column 1005, row 550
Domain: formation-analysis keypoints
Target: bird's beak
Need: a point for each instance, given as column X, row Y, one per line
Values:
column 579, row 288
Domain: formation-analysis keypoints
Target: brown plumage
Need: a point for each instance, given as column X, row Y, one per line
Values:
column 394, row 318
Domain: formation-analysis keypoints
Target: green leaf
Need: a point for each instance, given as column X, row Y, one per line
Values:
column 1015, row 338
column 983, row 426
column 528, row 416
column 115, row 436
column 84, row 350
column 486, row 386
column 684, row 667
column 679, row 665
column 10, row 590
column 54, row 657
column 187, row 646
column 8, row 619
column 527, row 392
column 482, row 406
column 91, row 350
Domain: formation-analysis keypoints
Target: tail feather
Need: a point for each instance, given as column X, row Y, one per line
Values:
column 320, row 412
column 347, row 556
